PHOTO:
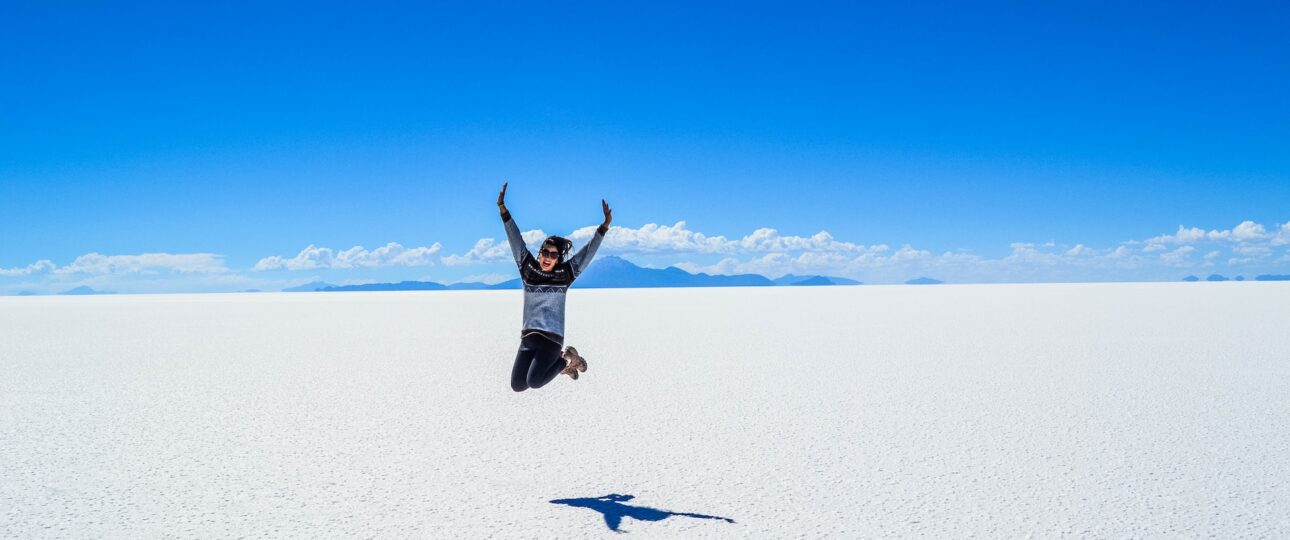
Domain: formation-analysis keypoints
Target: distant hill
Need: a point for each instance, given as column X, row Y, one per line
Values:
column 309, row 287
column 1191, row 278
column 1216, row 277
column 790, row 279
column 924, row 281
column 468, row 286
column 1272, row 277
column 813, row 281
column 611, row 271
column 27, row 293
column 400, row 286
column 83, row 290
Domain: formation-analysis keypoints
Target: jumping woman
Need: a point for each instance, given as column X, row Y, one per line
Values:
column 546, row 281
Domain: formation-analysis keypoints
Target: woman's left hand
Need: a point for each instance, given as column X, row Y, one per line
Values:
column 608, row 213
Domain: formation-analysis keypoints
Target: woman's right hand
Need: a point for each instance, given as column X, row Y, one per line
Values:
column 501, row 198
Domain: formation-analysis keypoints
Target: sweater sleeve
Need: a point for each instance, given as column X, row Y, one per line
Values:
column 582, row 258
column 513, row 236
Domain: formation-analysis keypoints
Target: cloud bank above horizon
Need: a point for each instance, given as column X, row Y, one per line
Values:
column 1248, row 247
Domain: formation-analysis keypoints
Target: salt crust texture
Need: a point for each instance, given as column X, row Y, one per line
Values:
column 997, row 411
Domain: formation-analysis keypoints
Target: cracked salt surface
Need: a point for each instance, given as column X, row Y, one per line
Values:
column 1079, row 410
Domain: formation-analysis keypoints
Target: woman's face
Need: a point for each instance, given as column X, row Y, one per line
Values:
column 548, row 256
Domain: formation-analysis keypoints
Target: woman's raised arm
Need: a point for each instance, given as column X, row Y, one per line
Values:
column 513, row 236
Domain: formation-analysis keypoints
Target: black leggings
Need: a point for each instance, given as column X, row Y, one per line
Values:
column 538, row 361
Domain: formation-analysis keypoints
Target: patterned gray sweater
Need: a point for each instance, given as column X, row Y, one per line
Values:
column 544, row 292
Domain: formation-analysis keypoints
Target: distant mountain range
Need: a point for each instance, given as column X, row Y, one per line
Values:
column 407, row 286
column 1221, row 277
column 606, row 272
column 924, row 281
column 1260, row 277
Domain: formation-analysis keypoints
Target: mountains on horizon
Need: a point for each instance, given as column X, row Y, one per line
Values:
column 1220, row 277
column 607, row 272
column 615, row 272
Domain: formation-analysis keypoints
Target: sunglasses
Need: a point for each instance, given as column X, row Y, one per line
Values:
column 550, row 254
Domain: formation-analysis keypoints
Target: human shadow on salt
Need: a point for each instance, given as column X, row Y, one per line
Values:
column 614, row 510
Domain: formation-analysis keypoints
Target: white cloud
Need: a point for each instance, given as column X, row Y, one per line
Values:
column 766, row 239
column 1247, row 231
column 1155, row 258
column 489, row 250
column 655, row 238
column 766, row 264
column 1177, row 257
column 146, row 263
column 1034, row 254
column 391, row 254
column 486, row 250
column 308, row 258
column 1212, row 257
column 533, row 238
column 1254, row 252
column 1185, row 236
column 906, row 254
column 1081, row 250
column 42, row 266
column 1283, row 235
column 837, row 263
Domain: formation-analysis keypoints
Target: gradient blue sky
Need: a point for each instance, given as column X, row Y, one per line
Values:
column 245, row 131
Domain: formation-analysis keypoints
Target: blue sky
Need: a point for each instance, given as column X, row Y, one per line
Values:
column 164, row 147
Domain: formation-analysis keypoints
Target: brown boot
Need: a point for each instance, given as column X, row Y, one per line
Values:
column 575, row 363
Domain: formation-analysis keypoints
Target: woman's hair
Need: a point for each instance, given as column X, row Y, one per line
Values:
column 560, row 243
